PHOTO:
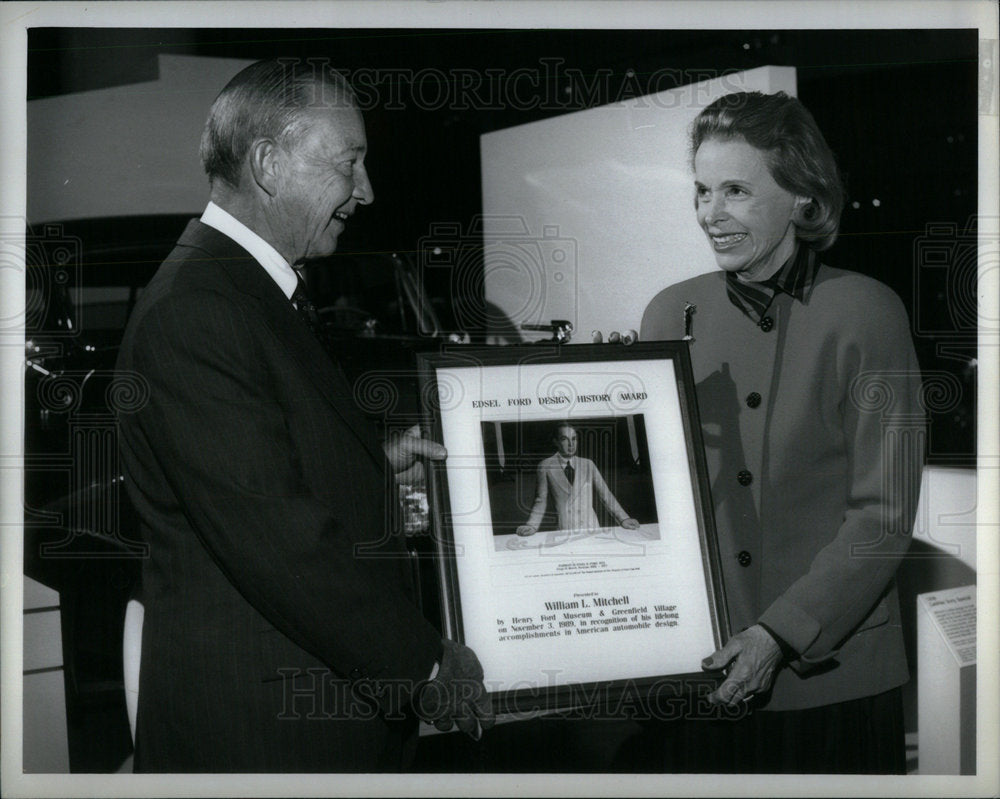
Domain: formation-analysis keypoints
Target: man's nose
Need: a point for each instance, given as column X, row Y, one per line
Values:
column 363, row 191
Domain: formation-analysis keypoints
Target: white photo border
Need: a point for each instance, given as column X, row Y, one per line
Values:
column 467, row 569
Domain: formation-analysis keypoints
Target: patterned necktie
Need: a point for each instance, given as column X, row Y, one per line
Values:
column 570, row 472
column 307, row 310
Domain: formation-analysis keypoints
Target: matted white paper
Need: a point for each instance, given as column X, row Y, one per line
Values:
column 626, row 572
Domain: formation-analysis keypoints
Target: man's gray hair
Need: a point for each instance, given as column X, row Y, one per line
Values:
column 269, row 99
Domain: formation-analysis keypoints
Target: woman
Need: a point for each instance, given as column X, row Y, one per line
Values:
column 807, row 387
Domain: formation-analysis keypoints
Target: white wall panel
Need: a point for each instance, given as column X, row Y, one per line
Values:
column 589, row 214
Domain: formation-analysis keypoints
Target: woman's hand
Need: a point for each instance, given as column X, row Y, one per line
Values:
column 755, row 657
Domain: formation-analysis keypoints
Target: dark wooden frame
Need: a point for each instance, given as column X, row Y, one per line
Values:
column 609, row 693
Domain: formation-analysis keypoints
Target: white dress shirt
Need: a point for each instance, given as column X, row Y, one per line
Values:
column 268, row 257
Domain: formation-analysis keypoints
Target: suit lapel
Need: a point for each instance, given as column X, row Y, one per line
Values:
column 249, row 277
column 560, row 476
column 304, row 349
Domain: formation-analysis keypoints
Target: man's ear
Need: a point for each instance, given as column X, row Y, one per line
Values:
column 264, row 166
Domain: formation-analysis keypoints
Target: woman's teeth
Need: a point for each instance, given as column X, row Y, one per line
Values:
column 728, row 239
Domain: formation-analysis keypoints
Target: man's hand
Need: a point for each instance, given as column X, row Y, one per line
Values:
column 457, row 694
column 402, row 451
column 631, row 524
column 755, row 657
column 526, row 529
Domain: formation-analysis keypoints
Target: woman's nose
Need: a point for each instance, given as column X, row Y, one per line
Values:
column 714, row 210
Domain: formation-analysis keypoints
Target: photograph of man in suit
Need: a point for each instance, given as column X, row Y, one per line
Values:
column 572, row 481
column 270, row 642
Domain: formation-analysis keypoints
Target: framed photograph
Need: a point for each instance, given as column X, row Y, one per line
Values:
column 573, row 521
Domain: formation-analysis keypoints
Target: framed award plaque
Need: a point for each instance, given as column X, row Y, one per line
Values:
column 573, row 523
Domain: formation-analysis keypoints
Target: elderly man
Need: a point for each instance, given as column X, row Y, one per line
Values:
column 277, row 636
column 572, row 481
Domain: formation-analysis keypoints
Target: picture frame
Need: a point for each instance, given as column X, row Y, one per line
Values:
column 586, row 588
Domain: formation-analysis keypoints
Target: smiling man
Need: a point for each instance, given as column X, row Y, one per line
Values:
column 271, row 642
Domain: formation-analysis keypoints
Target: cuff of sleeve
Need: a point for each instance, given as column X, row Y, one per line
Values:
column 787, row 652
column 789, row 624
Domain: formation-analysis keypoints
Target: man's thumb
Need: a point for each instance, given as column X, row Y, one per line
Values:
column 717, row 660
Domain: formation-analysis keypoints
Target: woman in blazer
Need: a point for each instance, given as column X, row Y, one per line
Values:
column 808, row 388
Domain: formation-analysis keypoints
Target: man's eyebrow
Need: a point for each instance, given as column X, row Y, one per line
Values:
column 352, row 147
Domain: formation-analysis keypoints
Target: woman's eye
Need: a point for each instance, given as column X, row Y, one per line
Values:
column 736, row 191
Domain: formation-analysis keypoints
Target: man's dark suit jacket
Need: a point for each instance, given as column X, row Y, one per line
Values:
column 256, row 479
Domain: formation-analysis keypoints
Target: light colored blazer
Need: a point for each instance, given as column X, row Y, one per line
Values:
column 574, row 502
column 820, row 415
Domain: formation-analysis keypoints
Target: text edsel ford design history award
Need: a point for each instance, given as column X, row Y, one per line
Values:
column 573, row 521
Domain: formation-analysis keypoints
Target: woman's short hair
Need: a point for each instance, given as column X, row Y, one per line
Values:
column 801, row 161
column 269, row 99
